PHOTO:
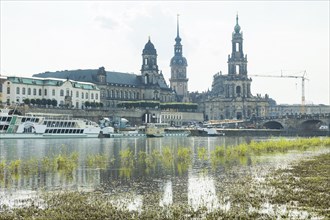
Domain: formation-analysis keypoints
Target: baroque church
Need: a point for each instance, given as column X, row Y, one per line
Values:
column 230, row 96
column 150, row 85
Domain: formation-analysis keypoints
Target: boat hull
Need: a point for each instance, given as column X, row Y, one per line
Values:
column 46, row 136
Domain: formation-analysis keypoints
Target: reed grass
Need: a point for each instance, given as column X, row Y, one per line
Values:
column 202, row 153
column 97, row 161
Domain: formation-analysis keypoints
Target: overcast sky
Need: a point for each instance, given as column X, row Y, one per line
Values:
column 39, row 36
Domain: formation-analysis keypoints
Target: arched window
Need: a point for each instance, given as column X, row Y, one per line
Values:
column 40, row 92
column 96, row 96
column 77, row 94
column 23, row 91
column 62, row 92
column 86, row 95
column 29, row 91
column 17, row 90
column 34, row 91
column 92, row 96
column 238, row 91
column 82, row 95
column 54, row 93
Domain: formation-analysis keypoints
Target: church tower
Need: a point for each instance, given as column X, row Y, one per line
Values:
column 240, row 84
column 179, row 80
column 149, row 69
column 101, row 75
column 237, row 63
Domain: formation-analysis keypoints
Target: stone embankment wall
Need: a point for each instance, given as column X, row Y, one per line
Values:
column 134, row 116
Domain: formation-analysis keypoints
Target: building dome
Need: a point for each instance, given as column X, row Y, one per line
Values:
column 149, row 48
column 237, row 28
column 179, row 60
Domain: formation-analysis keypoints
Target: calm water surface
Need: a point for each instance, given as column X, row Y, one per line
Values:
column 145, row 174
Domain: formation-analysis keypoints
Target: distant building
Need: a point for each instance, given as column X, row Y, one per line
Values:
column 295, row 110
column 68, row 93
column 2, row 79
column 119, row 87
column 179, row 80
column 230, row 97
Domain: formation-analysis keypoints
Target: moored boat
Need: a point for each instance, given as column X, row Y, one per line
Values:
column 44, row 125
column 164, row 130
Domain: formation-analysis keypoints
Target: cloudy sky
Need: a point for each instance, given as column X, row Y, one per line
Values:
column 279, row 36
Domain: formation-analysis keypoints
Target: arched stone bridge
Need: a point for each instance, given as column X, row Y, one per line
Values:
column 302, row 123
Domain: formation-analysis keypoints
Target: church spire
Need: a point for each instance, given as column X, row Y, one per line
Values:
column 177, row 39
column 237, row 28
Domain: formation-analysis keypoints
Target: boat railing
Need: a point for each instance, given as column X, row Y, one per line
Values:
column 50, row 116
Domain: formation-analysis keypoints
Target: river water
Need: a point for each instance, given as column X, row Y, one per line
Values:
column 135, row 171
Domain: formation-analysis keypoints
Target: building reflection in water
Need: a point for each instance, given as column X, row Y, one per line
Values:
column 167, row 198
column 201, row 192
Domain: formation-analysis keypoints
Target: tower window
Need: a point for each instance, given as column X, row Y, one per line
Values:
column 238, row 91
column 237, row 47
column 237, row 69
column 145, row 61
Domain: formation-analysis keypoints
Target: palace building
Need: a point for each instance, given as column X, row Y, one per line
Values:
column 116, row 87
column 65, row 92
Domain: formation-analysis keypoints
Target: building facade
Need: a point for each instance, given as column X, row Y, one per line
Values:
column 68, row 93
column 230, row 97
column 295, row 110
column 179, row 80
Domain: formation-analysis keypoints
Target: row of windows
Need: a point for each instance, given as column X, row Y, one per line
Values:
column 67, row 124
column 116, row 94
column 64, row 131
column 34, row 92
column 120, row 94
column 171, row 116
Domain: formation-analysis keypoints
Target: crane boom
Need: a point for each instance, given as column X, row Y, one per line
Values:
column 303, row 78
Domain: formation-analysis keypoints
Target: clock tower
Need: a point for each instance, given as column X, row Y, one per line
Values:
column 179, row 80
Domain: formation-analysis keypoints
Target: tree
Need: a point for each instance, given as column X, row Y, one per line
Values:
column 49, row 102
column 33, row 101
column 38, row 101
column 54, row 102
column 43, row 101
column 27, row 101
column 87, row 104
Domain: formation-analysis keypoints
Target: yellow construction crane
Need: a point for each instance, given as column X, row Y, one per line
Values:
column 303, row 78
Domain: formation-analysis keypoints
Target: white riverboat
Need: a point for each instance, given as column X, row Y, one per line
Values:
column 44, row 125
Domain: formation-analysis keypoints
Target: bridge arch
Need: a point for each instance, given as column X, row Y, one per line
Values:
column 273, row 125
column 311, row 124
